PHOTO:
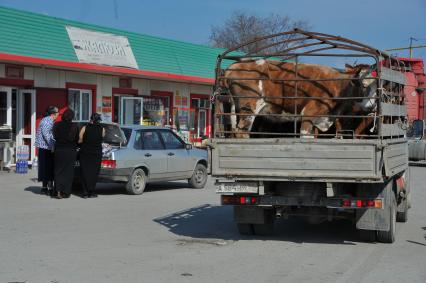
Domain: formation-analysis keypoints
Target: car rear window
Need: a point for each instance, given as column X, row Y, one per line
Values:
column 127, row 133
column 114, row 134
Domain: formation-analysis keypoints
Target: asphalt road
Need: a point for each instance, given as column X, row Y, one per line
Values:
column 175, row 234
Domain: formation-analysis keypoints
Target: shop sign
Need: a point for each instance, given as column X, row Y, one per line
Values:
column 101, row 48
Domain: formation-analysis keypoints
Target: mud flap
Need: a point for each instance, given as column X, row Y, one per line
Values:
column 373, row 218
column 252, row 214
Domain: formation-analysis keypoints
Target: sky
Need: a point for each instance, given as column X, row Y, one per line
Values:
column 382, row 24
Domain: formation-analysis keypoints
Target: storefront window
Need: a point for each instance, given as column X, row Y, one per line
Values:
column 155, row 111
column 80, row 102
column 8, row 98
column 3, row 108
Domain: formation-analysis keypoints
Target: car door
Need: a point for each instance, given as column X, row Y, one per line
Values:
column 178, row 158
column 151, row 153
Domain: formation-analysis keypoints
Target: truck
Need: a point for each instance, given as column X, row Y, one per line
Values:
column 415, row 92
column 277, row 171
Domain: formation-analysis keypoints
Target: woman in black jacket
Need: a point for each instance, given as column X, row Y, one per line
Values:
column 66, row 138
column 91, row 137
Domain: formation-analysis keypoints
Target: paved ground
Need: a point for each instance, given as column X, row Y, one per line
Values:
column 175, row 234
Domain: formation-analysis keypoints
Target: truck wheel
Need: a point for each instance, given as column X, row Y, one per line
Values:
column 263, row 229
column 137, row 182
column 389, row 236
column 199, row 177
column 402, row 211
column 367, row 235
column 266, row 228
column 245, row 228
column 402, row 216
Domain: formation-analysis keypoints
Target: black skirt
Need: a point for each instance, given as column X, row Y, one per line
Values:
column 90, row 165
column 45, row 165
column 64, row 169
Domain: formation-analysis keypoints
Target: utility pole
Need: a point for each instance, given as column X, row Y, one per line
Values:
column 411, row 46
column 405, row 48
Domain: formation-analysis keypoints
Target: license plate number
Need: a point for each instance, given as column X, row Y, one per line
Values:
column 238, row 188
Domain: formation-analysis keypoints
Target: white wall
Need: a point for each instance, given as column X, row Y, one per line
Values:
column 44, row 77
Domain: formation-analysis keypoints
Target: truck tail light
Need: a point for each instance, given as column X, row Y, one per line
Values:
column 107, row 163
column 362, row 203
column 239, row 200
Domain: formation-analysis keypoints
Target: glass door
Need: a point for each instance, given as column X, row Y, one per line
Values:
column 26, row 120
column 131, row 111
column 202, row 119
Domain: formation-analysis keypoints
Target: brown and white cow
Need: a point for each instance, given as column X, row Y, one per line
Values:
column 261, row 87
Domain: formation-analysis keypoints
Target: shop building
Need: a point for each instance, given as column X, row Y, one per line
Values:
column 129, row 78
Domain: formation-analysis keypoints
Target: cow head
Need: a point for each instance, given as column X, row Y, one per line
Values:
column 246, row 95
column 368, row 85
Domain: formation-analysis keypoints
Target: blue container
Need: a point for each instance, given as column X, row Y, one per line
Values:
column 21, row 167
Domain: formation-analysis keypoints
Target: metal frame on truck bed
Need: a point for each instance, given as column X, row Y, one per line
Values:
column 268, row 165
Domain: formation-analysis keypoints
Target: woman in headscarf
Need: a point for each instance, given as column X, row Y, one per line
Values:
column 91, row 137
column 45, row 143
column 66, row 137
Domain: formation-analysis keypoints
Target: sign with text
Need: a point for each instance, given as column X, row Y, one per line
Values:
column 101, row 48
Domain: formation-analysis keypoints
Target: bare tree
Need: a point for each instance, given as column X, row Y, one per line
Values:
column 242, row 27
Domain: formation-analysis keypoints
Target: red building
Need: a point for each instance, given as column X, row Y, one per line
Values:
column 415, row 89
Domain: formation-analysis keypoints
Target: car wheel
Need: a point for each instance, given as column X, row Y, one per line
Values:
column 137, row 182
column 199, row 177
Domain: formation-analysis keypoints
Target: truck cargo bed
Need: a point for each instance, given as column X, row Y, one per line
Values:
column 306, row 159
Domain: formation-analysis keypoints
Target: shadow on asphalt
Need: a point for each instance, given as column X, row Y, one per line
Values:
column 216, row 222
column 34, row 189
column 120, row 188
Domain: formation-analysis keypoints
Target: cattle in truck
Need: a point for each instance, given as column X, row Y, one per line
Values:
column 267, row 94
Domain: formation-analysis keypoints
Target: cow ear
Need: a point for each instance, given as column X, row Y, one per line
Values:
column 349, row 69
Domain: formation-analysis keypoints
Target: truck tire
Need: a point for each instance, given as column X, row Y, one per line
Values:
column 263, row 229
column 137, row 182
column 245, row 228
column 199, row 177
column 368, row 236
column 402, row 216
column 404, row 205
column 266, row 228
column 389, row 236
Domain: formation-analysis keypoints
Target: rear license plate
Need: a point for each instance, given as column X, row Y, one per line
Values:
column 238, row 188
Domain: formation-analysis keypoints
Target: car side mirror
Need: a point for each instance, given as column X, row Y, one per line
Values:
column 418, row 128
column 188, row 146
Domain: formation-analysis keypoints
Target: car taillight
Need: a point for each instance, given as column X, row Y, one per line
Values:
column 107, row 163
